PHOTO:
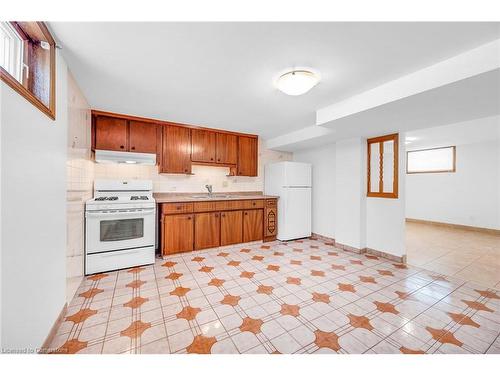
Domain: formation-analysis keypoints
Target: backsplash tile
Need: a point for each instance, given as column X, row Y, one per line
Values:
column 80, row 179
column 202, row 175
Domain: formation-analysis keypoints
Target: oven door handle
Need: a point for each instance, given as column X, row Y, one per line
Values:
column 118, row 253
column 137, row 213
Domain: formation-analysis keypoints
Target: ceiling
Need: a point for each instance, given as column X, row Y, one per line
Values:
column 221, row 74
column 472, row 98
column 480, row 130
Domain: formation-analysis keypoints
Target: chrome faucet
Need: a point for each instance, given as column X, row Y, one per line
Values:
column 209, row 188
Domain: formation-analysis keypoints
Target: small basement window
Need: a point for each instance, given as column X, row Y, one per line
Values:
column 431, row 160
column 27, row 62
column 382, row 166
column 11, row 47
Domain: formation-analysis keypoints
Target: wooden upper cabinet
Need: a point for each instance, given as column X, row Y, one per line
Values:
column 202, row 146
column 119, row 134
column 247, row 156
column 253, row 225
column 176, row 146
column 143, row 137
column 111, row 134
column 176, row 150
column 206, row 230
column 227, row 148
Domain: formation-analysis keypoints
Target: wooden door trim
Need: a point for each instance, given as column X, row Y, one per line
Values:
column 395, row 183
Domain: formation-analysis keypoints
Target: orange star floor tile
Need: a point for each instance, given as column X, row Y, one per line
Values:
column 294, row 297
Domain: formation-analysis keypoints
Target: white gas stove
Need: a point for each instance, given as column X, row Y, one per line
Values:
column 119, row 225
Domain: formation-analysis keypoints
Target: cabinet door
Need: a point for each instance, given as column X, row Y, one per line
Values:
column 247, row 156
column 203, row 146
column 142, row 137
column 252, row 225
column 227, row 148
column 206, row 230
column 110, row 134
column 177, row 234
column 231, row 227
column 271, row 222
column 176, row 157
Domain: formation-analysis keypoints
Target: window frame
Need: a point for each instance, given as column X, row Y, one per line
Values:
column 453, row 170
column 22, row 87
column 395, row 183
column 16, row 50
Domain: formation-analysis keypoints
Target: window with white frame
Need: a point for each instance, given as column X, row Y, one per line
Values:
column 11, row 49
column 432, row 160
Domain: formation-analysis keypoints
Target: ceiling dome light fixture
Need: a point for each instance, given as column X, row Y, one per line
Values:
column 297, row 82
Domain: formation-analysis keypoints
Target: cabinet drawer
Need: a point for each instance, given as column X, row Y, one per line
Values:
column 204, row 206
column 271, row 202
column 254, row 203
column 228, row 205
column 173, row 208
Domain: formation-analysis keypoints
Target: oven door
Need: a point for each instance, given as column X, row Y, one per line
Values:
column 119, row 229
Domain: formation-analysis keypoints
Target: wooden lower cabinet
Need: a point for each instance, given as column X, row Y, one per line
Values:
column 206, row 230
column 271, row 220
column 177, row 233
column 187, row 226
column 252, row 225
column 231, row 227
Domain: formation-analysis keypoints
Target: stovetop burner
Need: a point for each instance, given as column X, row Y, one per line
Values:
column 139, row 198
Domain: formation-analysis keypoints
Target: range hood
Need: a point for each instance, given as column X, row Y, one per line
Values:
column 120, row 157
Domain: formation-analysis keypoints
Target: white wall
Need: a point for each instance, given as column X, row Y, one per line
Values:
column 322, row 160
column 385, row 218
column 340, row 207
column 202, row 175
column 80, row 178
column 498, row 182
column 1, row 246
column 350, row 201
column 470, row 196
column 33, row 222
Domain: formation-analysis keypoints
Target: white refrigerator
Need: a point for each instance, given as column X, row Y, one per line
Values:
column 291, row 181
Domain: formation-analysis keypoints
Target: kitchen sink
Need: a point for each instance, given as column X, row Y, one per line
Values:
column 214, row 196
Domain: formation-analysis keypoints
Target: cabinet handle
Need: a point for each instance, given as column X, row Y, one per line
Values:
column 253, row 203
column 222, row 215
column 211, row 158
column 132, row 148
column 246, row 213
column 122, row 146
column 185, row 170
column 178, row 207
column 216, row 215
column 189, row 217
column 218, row 159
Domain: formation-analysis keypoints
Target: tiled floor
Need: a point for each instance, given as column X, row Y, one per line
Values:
column 300, row 297
column 473, row 256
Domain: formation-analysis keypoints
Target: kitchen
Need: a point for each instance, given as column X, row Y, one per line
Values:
column 186, row 221
column 251, row 205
